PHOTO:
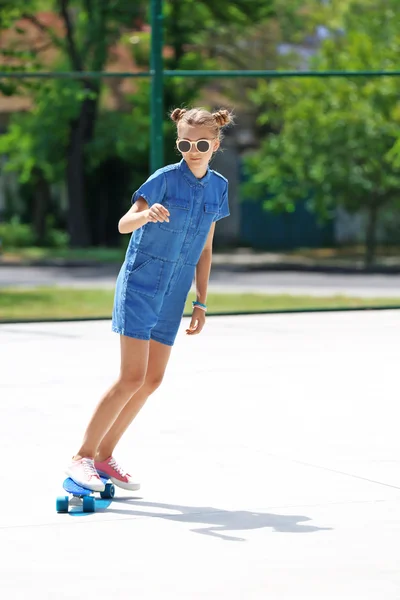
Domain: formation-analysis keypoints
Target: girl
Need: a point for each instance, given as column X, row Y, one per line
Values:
column 172, row 223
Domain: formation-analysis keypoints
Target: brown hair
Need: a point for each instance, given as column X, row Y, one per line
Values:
column 200, row 116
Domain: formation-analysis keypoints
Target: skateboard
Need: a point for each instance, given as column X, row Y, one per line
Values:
column 77, row 492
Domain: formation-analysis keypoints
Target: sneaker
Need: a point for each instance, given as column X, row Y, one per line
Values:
column 111, row 469
column 83, row 472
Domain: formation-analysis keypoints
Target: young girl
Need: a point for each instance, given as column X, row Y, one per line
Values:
column 172, row 222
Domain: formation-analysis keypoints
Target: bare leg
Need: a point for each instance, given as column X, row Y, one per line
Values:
column 134, row 359
column 158, row 359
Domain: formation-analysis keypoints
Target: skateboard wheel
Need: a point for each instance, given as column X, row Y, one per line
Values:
column 62, row 504
column 89, row 504
column 109, row 492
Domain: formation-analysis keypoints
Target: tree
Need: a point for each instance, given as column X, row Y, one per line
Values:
column 34, row 141
column 337, row 141
column 89, row 29
column 36, row 156
column 192, row 34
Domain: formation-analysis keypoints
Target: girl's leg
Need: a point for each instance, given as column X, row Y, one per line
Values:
column 134, row 359
column 158, row 359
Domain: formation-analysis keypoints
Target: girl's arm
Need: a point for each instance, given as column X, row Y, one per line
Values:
column 140, row 214
column 204, row 267
column 202, row 276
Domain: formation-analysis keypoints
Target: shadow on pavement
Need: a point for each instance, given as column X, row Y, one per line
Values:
column 218, row 521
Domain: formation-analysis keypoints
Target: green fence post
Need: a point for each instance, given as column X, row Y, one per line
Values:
column 157, row 104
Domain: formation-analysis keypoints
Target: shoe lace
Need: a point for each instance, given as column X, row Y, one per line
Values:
column 113, row 463
column 89, row 468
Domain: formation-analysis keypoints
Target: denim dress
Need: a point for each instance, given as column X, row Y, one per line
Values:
column 160, row 262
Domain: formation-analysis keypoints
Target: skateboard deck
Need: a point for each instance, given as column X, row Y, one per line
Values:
column 87, row 497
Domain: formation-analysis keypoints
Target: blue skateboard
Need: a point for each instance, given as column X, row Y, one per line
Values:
column 82, row 494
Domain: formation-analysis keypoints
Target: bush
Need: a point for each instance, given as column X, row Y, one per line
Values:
column 55, row 238
column 16, row 235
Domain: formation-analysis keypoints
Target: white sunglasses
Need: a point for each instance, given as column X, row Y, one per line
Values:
column 202, row 146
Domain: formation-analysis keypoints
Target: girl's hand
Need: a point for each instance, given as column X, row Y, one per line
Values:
column 158, row 213
column 198, row 321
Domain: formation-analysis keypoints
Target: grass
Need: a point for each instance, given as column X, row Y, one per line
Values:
column 110, row 255
column 354, row 252
column 66, row 303
column 105, row 255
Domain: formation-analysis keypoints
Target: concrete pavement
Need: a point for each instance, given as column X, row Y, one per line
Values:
column 269, row 462
column 316, row 284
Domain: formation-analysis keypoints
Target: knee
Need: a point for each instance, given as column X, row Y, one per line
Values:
column 151, row 383
column 131, row 383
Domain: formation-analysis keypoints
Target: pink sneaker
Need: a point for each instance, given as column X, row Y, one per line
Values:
column 111, row 469
column 83, row 472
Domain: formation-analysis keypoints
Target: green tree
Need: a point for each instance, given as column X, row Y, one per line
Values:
column 14, row 53
column 90, row 28
column 336, row 141
column 35, row 146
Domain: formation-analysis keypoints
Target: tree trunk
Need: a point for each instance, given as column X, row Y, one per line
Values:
column 81, row 132
column 108, row 188
column 77, row 221
column 41, row 204
column 178, row 36
column 370, row 249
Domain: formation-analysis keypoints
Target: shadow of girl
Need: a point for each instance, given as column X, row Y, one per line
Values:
column 218, row 521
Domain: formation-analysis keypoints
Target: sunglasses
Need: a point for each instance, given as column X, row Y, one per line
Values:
column 201, row 145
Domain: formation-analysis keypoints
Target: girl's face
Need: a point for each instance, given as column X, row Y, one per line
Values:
column 196, row 160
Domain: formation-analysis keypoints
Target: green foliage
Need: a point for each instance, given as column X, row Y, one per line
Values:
column 16, row 235
column 37, row 144
column 15, row 56
column 55, row 238
column 117, row 135
column 336, row 141
column 193, row 19
column 37, row 140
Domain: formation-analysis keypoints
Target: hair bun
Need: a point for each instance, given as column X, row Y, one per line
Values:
column 177, row 114
column 222, row 117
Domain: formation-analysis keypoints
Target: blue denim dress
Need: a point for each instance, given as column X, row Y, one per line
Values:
column 161, row 258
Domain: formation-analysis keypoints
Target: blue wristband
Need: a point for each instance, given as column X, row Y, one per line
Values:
column 199, row 304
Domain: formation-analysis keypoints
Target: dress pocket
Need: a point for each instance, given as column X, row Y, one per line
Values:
column 179, row 213
column 208, row 216
column 145, row 275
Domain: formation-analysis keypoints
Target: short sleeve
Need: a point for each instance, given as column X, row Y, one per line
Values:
column 153, row 190
column 223, row 206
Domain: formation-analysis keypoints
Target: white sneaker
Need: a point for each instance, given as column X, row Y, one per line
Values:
column 83, row 472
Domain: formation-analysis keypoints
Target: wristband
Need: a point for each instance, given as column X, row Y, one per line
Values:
column 197, row 304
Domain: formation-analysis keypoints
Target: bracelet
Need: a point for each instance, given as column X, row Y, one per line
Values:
column 197, row 304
